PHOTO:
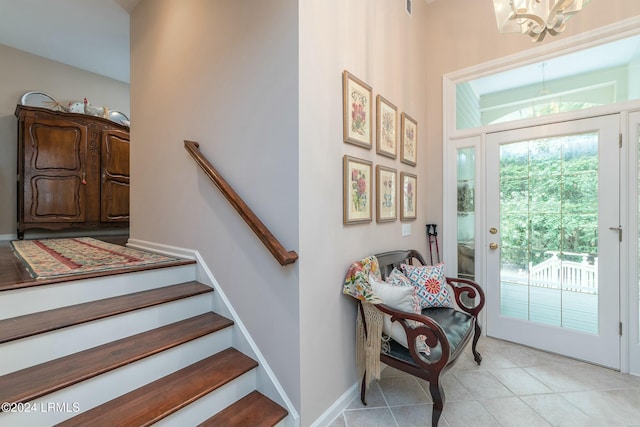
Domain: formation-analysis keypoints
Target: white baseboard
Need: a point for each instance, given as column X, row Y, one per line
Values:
column 8, row 237
column 162, row 249
column 338, row 406
column 280, row 395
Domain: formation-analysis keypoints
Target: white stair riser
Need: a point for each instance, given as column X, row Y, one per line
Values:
column 40, row 298
column 40, row 348
column 98, row 390
column 212, row 403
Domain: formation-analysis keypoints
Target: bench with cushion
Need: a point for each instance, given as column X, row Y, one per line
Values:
column 446, row 330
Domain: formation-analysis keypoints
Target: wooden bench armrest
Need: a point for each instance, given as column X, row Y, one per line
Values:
column 427, row 327
column 471, row 289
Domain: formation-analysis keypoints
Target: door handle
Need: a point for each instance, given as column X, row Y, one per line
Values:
column 493, row 246
column 619, row 230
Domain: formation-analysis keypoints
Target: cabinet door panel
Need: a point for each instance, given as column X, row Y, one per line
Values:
column 56, row 148
column 57, row 197
column 116, row 206
column 55, row 171
column 115, row 176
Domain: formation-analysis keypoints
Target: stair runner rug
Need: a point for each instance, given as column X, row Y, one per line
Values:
column 52, row 258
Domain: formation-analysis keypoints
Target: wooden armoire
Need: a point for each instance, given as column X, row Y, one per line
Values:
column 73, row 171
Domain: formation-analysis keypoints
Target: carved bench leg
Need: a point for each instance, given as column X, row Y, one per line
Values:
column 437, row 395
column 476, row 336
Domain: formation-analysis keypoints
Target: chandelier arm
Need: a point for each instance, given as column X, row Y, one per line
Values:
column 521, row 15
column 557, row 15
column 536, row 34
column 554, row 31
column 560, row 6
column 538, row 37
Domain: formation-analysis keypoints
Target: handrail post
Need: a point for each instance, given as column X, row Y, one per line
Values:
column 283, row 256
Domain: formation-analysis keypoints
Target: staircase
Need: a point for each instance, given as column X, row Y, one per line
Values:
column 131, row 349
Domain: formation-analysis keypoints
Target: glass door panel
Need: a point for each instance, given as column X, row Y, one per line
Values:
column 463, row 197
column 549, row 217
column 466, row 183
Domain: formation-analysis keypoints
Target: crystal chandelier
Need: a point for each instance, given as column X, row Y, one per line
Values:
column 535, row 18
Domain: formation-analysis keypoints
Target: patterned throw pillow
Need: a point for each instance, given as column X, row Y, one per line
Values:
column 356, row 283
column 430, row 283
column 396, row 278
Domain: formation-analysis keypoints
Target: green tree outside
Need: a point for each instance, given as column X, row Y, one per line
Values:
column 548, row 199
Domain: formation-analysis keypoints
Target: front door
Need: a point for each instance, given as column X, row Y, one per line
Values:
column 553, row 238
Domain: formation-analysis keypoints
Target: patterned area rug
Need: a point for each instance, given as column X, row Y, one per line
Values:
column 51, row 258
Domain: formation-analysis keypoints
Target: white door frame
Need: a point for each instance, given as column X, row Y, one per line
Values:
column 450, row 204
column 631, row 187
column 629, row 220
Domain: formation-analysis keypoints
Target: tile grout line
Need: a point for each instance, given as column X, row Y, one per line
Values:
column 386, row 402
column 563, row 398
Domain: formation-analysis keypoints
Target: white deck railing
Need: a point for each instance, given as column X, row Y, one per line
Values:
column 577, row 276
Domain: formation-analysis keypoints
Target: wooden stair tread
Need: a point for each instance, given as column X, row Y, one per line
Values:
column 36, row 381
column 255, row 410
column 50, row 320
column 154, row 401
column 92, row 275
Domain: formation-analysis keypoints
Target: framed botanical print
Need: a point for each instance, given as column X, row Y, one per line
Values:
column 357, row 111
column 409, row 191
column 357, row 194
column 386, row 194
column 409, row 140
column 386, row 128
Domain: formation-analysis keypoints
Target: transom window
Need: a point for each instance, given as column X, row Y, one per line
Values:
column 601, row 75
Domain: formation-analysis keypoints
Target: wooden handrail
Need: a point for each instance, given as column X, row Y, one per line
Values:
column 283, row 256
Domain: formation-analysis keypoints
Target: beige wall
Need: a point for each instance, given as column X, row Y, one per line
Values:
column 259, row 86
column 22, row 72
column 379, row 43
column 462, row 33
column 225, row 74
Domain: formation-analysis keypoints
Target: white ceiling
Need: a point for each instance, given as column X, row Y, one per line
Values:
column 94, row 35
column 89, row 34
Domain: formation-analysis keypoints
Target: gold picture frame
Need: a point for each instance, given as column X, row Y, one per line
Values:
column 357, row 111
column 386, row 194
column 357, row 190
column 408, row 201
column 386, row 128
column 408, row 140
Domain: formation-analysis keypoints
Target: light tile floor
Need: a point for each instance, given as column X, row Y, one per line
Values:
column 514, row 386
